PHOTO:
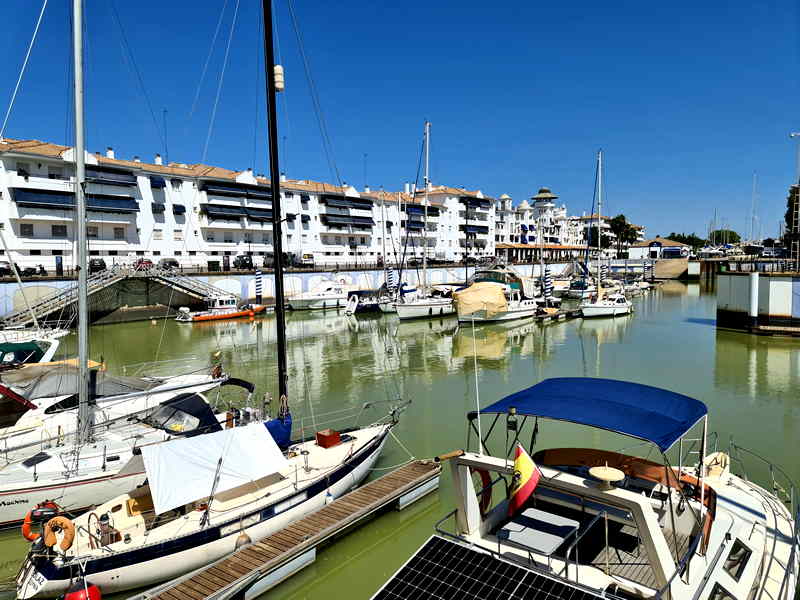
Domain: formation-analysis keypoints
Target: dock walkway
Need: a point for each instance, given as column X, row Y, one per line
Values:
column 265, row 563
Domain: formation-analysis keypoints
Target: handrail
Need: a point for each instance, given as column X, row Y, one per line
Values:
column 682, row 564
column 773, row 468
column 578, row 538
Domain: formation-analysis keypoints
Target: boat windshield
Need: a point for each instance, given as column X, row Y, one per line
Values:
column 185, row 415
column 494, row 276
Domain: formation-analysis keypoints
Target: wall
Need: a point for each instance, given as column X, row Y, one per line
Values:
column 776, row 300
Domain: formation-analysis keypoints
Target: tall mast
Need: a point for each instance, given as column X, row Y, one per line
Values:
column 425, row 218
column 83, row 431
column 599, row 216
column 275, row 185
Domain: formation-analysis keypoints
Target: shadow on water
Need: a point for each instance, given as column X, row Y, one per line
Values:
column 698, row 321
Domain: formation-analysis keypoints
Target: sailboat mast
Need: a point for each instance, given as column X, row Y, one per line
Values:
column 275, row 185
column 84, row 415
column 425, row 218
column 599, row 216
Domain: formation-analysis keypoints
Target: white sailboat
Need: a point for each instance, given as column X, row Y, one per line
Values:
column 326, row 294
column 426, row 302
column 207, row 494
column 614, row 304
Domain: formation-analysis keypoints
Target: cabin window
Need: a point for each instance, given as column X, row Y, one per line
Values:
column 737, row 559
column 58, row 231
column 68, row 403
column 35, row 459
column 720, row 593
column 26, row 229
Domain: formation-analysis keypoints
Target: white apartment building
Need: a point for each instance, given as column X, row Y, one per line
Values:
column 203, row 215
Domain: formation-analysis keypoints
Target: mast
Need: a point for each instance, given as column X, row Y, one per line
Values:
column 275, row 185
column 599, row 213
column 425, row 217
column 83, row 430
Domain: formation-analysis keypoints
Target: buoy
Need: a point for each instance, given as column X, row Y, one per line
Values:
column 243, row 540
column 83, row 590
column 152, row 321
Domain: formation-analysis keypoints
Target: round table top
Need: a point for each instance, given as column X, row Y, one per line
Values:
column 606, row 473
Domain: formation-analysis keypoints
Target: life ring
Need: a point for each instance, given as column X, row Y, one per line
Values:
column 28, row 521
column 486, row 493
column 65, row 525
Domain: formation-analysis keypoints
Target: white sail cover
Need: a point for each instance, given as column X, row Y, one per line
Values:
column 182, row 471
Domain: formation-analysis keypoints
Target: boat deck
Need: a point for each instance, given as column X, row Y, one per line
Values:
column 261, row 560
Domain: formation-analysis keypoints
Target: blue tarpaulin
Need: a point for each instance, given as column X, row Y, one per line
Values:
column 641, row 411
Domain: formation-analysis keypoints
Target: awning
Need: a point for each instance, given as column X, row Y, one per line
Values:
column 178, row 209
column 346, row 201
column 223, row 211
column 158, row 182
column 110, row 176
column 182, row 471
column 66, row 200
column 413, row 225
column 641, row 411
column 475, row 229
column 259, row 214
column 157, row 208
column 419, row 209
column 239, row 190
column 475, row 202
column 347, row 220
column 305, row 218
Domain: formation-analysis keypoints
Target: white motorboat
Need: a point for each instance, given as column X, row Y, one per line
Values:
column 490, row 302
column 28, row 346
column 327, row 294
column 72, row 477
column 580, row 289
column 612, row 305
column 586, row 523
column 164, row 529
column 39, row 404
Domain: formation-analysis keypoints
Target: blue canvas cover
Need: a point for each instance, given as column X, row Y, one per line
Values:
column 641, row 411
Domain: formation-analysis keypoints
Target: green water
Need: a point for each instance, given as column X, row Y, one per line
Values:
column 749, row 384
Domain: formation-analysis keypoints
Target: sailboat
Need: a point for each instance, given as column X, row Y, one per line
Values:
column 426, row 302
column 614, row 304
column 240, row 485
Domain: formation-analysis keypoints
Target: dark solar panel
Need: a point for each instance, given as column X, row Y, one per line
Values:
column 442, row 570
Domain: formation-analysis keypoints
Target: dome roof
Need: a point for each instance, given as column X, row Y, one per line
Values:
column 544, row 195
column 505, row 197
column 524, row 205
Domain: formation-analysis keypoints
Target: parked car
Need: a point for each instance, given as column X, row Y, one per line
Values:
column 243, row 261
column 169, row 264
column 143, row 264
column 96, row 265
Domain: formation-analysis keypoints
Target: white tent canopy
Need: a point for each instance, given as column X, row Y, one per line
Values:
column 182, row 471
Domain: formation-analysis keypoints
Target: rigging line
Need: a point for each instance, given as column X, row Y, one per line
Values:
column 283, row 97
column 136, row 71
column 326, row 141
column 22, row 70
column 221, row 80
column 208, row 60
column 259, row 55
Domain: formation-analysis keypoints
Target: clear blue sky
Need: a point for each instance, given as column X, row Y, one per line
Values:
column 687, row 99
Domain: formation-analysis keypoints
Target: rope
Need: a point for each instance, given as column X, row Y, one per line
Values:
column 22, row 70
column 208, row 59
column 221, row 79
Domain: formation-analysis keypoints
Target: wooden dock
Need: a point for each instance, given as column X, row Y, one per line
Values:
column 257, row 567
column 561, row 315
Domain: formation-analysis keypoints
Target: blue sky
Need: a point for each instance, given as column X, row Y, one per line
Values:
column 687, row 99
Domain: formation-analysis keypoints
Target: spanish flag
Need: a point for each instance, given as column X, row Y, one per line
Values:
column 526, row 477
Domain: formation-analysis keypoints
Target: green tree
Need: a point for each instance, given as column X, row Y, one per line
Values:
column 605, row 240
column 626, row 233
column 689, row 239
column 724, row 236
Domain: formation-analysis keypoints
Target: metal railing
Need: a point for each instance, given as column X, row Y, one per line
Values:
column 579, row 537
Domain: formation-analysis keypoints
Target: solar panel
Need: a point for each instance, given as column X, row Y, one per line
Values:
column 444, row 570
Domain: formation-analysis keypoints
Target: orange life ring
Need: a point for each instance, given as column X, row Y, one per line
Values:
column 65, row 525
column 28, row 521
column 486, row 494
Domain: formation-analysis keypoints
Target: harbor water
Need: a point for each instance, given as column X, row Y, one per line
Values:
column 338, row 363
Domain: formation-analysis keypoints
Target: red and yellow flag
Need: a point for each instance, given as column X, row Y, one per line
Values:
column 526, row 477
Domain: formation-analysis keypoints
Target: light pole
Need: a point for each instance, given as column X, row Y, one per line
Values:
column 797, row 172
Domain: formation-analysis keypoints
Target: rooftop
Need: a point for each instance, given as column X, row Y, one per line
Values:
column 663, row 241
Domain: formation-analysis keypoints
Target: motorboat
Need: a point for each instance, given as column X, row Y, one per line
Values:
column 490, row 302
column 599, row 524
column 611, row 305
column 39, row 404
column 580, row 289
column 327, row 294
column 20, row 347
column 220, row 308
column 239, row 485
column 72, row 477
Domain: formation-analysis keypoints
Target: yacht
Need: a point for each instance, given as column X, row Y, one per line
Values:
column 220, row 308
column 585, row 523
column 327, row 294
column 580, row 289
column 25, row 347
column 610, row 305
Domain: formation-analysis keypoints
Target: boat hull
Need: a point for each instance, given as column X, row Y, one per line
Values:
column 149, row 565
column 317, row 303
column 222, row 315
column 605, row 311
column 425, row 309
column 481, row 316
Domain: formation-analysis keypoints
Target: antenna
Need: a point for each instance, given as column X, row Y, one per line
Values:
column 166, row 147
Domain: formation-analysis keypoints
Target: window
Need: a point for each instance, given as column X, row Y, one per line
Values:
column 156, row 252
column 177, row 235
column 158, row 234
column 737, row 559
column 192, row 252
column 363, row 240
column 304, row 202
column 55, row 173
column 23, row 169
column 178, row 253
column 248, row 237
column 290, row 224
column 94, row 252
column 35, row 252
column 57, row 252
column 338, row 239
column 26, row 229
column 119, row 233
column 210, row 236
column 215, row 253
column 91, row 231
column 140, row 253
column 228, row 237
column 58, row 231
column 176, row 185
column 112, row 252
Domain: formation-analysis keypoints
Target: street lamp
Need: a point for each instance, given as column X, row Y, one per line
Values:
column 797, row 173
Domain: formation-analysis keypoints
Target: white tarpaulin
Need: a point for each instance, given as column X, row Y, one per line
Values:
column 182, row 471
